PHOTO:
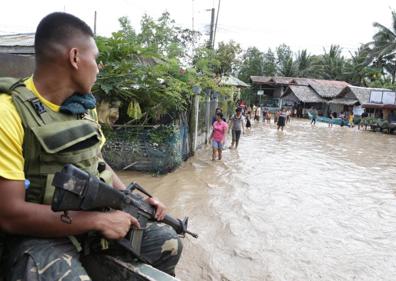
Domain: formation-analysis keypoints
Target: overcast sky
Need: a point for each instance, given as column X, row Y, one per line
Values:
column 301, row 24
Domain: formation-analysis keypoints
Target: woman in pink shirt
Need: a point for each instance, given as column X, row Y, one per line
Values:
column 218, row 135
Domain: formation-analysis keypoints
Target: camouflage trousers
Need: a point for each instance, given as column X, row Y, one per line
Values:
column 34, row 259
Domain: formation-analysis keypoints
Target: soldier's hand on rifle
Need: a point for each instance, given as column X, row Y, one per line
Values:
column 160, row 208
column 115, row 225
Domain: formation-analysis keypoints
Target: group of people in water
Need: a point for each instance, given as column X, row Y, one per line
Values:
column 281, row 117
column 346, row 118
column 238, row 123
column 220, row 128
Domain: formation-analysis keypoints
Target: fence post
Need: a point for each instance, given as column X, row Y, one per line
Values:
column 207, row 121
column 196, row 91
column 196, row 117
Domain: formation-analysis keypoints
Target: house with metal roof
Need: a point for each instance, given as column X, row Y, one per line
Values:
column 17, row 54
column 19, row 44
column 235, row 83
column 232, row 81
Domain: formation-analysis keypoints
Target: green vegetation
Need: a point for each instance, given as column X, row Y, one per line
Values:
column 156, row 68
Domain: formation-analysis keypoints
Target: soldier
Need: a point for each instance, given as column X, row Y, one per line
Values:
column 44, row 124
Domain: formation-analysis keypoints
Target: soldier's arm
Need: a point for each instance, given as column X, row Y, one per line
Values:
column 160, row 207
column 20, row 217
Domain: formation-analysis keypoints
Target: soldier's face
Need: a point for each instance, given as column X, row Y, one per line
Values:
column 87, row 67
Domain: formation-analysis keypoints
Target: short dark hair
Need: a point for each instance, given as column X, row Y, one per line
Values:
column 57, row 28
column 238, row 109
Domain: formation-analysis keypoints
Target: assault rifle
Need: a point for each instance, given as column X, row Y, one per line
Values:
column 76, row 190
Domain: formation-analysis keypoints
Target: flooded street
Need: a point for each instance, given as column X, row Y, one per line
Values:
column 303, row 204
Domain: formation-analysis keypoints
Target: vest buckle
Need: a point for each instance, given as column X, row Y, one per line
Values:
column 38, row 106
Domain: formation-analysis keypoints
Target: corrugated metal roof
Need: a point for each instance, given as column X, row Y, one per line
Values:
column 260, row 79
column 22, row 39
column 304, row 93
column 232, row 81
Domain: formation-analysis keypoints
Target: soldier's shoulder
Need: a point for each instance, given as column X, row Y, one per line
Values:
column 6, row 103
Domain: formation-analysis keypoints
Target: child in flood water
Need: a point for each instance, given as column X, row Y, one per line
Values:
column 217, row 136
column 351, row 117
column 248, row 124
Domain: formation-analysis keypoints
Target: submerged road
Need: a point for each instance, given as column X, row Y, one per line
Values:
column 304, row 204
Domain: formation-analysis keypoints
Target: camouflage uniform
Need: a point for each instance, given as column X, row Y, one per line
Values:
column 31, row 259
column 51, row 140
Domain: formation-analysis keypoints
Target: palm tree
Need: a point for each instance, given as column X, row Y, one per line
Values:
column 306, row 65
column 286, row 66
column 384, row 46
column 357, row 70
column 333, row 63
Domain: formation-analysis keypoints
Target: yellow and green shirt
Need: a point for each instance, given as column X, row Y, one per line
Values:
column 12, row 134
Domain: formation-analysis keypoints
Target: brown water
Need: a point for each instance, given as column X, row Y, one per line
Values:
column 304, row 204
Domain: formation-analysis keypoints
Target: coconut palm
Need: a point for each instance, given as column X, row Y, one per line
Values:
column 307, row 66
column 285, row 63
column 333, row 63
column 384, row 46
column 358, row 71
column 269, row 66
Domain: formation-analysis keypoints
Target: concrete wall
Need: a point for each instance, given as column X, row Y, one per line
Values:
column 18, row 66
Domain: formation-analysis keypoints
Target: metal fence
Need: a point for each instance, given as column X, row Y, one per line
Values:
column 160, row 149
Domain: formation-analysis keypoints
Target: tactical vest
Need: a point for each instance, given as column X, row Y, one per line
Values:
column 51, row 140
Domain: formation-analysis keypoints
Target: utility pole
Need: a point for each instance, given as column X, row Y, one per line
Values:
column 95, row 24
column 217, row 20
column 212, row 22
column 192, row 12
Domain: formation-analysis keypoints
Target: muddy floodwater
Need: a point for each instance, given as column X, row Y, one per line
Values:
column 303, row 204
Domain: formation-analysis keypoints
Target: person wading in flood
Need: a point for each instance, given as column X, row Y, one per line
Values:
column 238, row 127
column 217, row 136
column 282, row 119
column 314, row 113
column 44, row 124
